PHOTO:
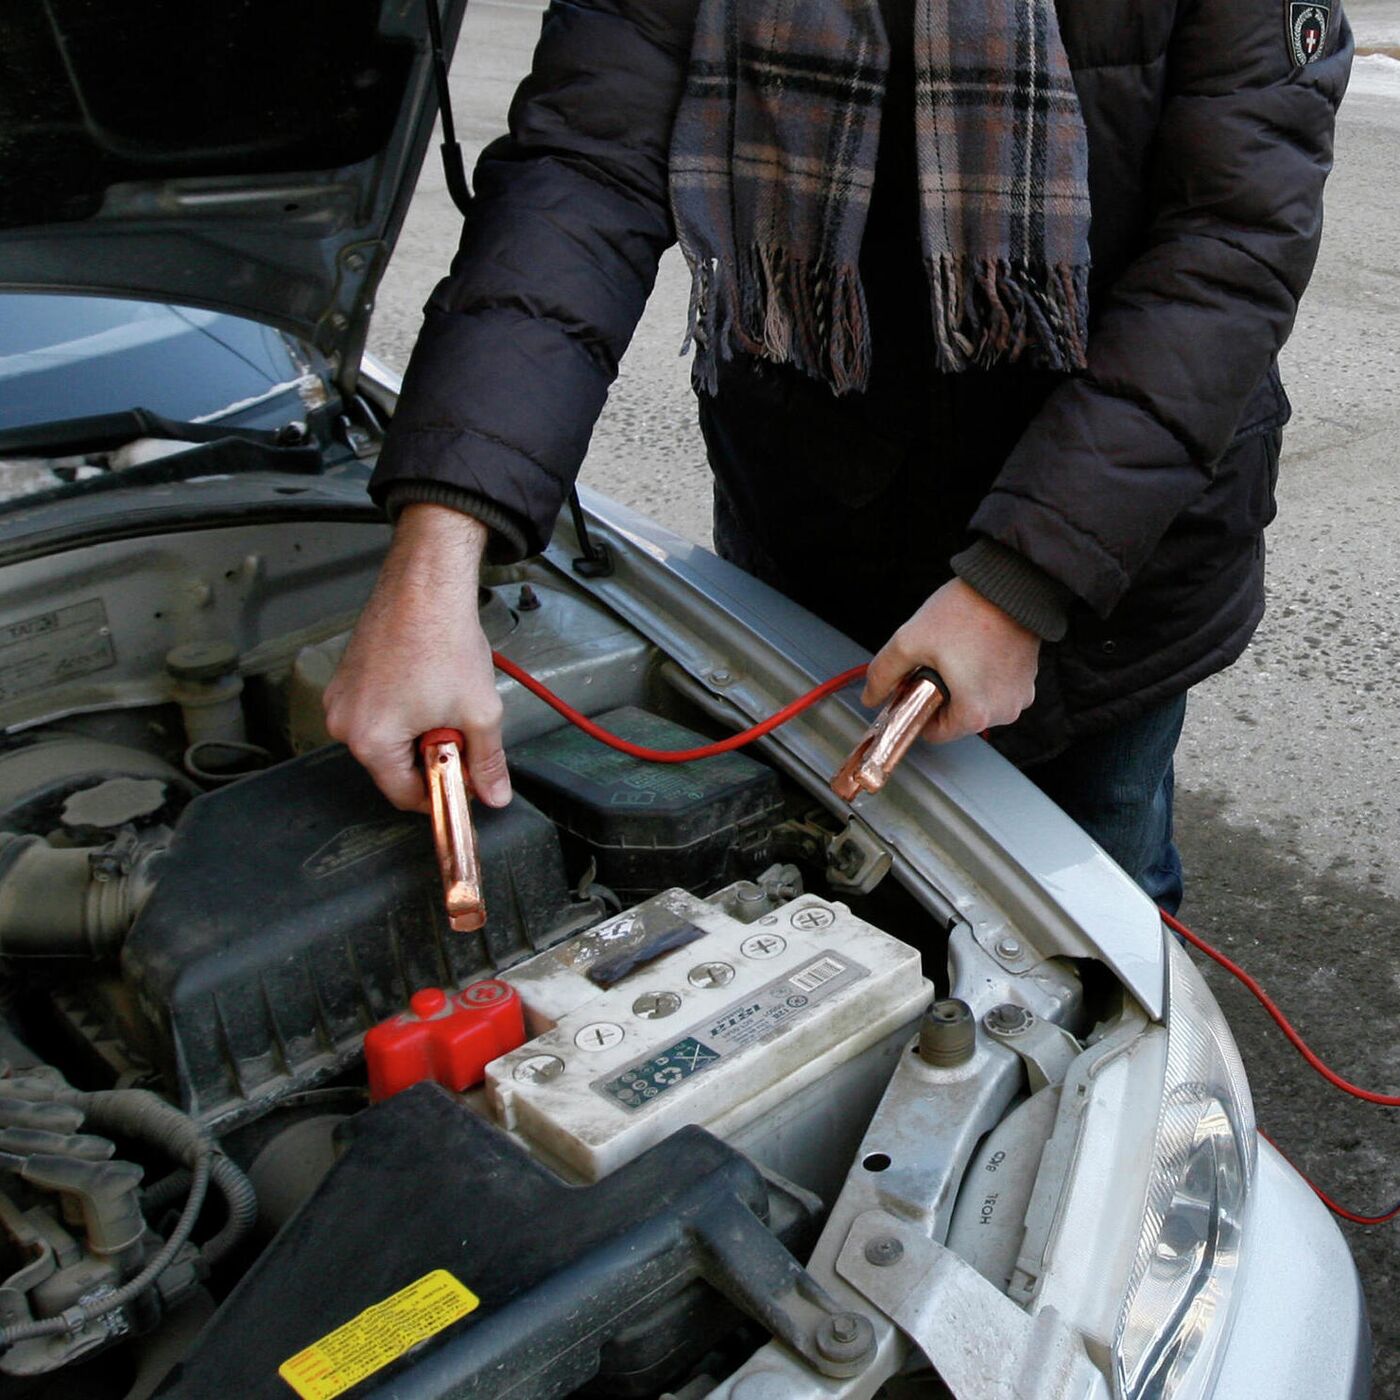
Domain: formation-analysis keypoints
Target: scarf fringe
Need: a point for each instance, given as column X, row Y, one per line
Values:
column 989, row 311
column 986, row 311
column 779, row 308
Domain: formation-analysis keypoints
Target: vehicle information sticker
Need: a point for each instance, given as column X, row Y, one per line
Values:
column 53, row 647
column 742, row 1023
column 379, row 1335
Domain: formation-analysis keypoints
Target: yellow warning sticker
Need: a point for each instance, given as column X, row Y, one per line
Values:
column 376, row 1337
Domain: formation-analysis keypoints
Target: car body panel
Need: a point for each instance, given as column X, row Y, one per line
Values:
column 250, row 232
column 976, row 841
column 1300, row 1326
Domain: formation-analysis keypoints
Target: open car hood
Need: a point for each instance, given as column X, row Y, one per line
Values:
column 243, row 155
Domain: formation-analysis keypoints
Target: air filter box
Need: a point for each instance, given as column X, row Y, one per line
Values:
column 296, row 908
column 650, row 826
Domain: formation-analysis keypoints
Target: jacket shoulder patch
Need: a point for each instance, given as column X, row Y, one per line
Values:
column 1308, row 21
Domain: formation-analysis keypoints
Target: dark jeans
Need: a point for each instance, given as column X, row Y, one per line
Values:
column 1118, row 787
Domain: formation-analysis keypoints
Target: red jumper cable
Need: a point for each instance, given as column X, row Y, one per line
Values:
column 450, row 840
column 1253, row 986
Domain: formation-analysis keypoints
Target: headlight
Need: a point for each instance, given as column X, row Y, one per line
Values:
column 1176, row 1307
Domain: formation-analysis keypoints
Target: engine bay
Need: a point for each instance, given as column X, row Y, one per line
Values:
column 205, row 907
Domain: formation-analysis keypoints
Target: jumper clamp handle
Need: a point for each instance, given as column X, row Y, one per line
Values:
column 915, row 701
column 454, row 836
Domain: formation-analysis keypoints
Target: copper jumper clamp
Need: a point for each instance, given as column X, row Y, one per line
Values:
column 915, row 701
column 453, row 834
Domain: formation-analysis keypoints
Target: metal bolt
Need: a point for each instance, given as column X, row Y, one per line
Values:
column 529, row 600
column 884, row 1251
column 846, row 859
column 355, row 262
column 721, row 677
column 1009, row 947
column 1007, row 1019
column 339, row 320
column 947, row 1034
column 845, row 1338
column 713, row 974
column 656, row 1005
column 292, row 434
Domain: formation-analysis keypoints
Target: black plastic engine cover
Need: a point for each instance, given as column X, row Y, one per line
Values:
column 297, row 908
column 562, row 1273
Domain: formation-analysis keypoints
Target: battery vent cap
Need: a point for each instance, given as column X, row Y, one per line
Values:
column 448, row 1039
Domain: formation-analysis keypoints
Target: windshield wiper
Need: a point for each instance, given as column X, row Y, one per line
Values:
column 106, row 432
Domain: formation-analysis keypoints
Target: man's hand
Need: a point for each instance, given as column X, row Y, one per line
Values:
column 988, row 660
column 418, row 660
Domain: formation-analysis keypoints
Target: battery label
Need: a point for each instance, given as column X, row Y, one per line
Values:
column 759, row 1016
column 647, row 1080
column 379, row 1335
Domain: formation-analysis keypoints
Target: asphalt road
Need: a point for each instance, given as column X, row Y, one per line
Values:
column 1287, row 818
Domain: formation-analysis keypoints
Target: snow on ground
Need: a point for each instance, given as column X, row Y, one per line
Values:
column 1376, row 75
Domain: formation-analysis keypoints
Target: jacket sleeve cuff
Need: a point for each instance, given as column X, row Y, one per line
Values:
column 1022, row 590
column 507, row 543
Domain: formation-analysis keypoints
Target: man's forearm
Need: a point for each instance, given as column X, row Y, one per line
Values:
column 437, row 548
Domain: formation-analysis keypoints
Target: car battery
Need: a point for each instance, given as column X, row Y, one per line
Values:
column 675, row 1013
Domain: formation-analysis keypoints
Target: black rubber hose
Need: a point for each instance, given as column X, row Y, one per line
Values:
column 161, row 1195
column 77, row 1317
column 242, row 1201
column 240, row 1198
column 141, row 1114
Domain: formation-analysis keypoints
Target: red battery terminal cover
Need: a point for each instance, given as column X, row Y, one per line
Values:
column 448, row 1039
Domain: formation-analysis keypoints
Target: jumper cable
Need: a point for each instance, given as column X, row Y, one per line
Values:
column 909, row 708
column 734, row 741
column 443, row 752
column 1314, row 1061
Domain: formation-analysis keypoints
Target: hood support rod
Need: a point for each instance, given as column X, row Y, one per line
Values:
column 452, row 164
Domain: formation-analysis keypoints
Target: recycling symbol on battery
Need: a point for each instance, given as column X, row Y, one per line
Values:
column 668, row 1076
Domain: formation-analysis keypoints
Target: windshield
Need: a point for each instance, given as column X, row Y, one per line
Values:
column 69, row 357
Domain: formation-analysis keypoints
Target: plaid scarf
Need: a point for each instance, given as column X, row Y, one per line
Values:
column 773, row 160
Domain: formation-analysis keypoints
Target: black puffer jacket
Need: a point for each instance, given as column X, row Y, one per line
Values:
column 1135, row 492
